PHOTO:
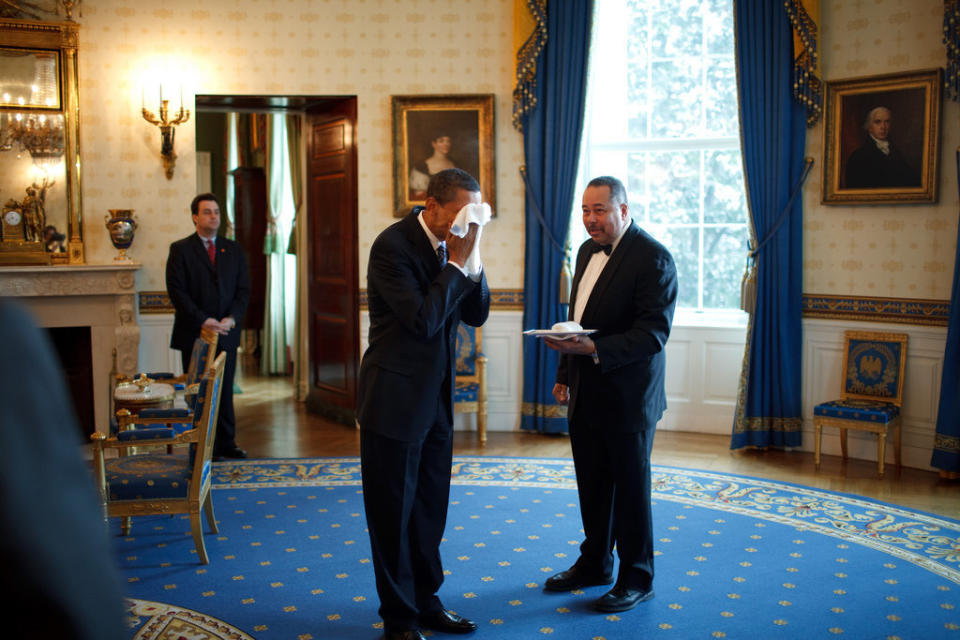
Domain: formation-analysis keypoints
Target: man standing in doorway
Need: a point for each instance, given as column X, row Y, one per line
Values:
column 625, row 287
column 209, row 286
column 419, row 290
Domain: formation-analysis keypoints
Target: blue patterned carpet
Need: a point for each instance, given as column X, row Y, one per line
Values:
column 737, row 557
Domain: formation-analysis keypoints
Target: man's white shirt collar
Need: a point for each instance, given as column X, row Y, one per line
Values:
column 883, row 145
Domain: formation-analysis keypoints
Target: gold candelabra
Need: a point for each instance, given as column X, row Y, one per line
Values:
column 167, row 125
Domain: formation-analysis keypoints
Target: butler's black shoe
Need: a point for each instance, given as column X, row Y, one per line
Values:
column 622, row 599
column 234, row 452
column 574, row 578
column 413, row 634
column 447, row 622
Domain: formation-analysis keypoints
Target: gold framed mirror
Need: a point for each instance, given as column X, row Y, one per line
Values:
column 40, row 143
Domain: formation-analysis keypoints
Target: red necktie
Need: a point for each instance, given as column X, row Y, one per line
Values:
column 212, row 252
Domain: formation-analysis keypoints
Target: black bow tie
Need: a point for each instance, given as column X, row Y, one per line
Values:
column 606, row 248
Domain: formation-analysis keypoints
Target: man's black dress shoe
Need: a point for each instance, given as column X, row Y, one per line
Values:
column 574, row 578
column 234, row 452
column 412, row 634
column 622, row 599
column 447, row 622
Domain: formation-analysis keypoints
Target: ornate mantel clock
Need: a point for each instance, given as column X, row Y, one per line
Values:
column 14, row 247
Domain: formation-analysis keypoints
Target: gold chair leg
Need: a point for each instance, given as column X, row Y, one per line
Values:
column 208, row 509
column 843, row 443
column 896, row 445
column 125, row 525
column 817, row 433
column 197, row 531
column 881, row 451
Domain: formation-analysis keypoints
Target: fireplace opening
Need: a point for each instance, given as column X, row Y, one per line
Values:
column 73, row 347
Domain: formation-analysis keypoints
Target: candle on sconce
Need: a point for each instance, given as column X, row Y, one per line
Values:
column 161, row 94
column 143, row 97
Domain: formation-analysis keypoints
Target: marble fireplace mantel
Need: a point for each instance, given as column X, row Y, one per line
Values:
column 99, row 296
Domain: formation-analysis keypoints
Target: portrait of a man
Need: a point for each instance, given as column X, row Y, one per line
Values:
column 881, row 138
column 878, row 162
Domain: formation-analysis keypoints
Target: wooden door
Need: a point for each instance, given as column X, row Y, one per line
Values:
column 333, row 297
column 250, row 212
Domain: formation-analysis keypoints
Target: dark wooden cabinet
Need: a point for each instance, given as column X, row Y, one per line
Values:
column 250, row 213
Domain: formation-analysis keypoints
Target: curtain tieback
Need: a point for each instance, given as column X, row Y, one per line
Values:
column 538, row 212
column 748, row 284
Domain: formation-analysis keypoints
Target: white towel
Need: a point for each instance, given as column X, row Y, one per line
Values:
column 481, row 214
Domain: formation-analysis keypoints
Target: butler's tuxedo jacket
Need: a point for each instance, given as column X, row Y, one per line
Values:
column 631, row 307
column 201, row 290
column 415, row 308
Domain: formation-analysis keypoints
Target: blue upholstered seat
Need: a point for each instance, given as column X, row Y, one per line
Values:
column 470, row 388
column 873, row 366
column 858, row 410
column 165, row 482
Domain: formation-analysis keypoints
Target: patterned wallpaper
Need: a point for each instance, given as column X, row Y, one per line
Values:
column 376, row 48
column 886, row 251
column 369, row 48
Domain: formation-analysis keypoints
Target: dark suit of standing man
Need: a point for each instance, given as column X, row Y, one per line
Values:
column 211, row 293
column 613, row 382
column 405, row 400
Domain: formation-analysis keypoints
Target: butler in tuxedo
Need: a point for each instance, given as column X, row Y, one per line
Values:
column 418, row 292
column 209, row 286
column 625, row 287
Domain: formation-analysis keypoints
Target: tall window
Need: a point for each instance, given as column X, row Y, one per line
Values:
column 662, row 116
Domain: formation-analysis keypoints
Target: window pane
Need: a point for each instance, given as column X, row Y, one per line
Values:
column 683, row 243
column 724, row 255
column 674, row 186
column 636, row 184
column 722, row 118
column 638, row 67
column 677, row 28
column 676, row 98
column 718, row 25
column 724, row 200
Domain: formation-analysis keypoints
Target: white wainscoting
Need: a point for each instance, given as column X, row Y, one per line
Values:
column 155, row 352
column 822, row 378
column 703, row 371
column 703, row 366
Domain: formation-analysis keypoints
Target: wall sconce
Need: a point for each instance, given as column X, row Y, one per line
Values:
column 167, row 128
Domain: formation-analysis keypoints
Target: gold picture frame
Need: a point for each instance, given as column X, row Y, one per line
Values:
column 903, row 110
column 419, row 125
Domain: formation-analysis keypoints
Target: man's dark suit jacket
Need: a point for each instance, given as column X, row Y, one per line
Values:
column 415, row 309
column 198, row 290
column 631, row 307
column 59, row 577
column 868, row 167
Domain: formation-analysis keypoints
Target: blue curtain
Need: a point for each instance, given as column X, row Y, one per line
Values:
column 946, row 444
column 552, row 130
column 772, row 127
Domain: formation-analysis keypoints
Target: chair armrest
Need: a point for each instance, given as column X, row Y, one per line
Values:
column 178, row 412
column 146, row 433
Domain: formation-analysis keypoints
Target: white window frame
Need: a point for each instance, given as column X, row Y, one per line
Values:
column 614, row 89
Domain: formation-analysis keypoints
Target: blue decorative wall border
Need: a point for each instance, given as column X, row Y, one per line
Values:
column 898, row 310
column 159, row 302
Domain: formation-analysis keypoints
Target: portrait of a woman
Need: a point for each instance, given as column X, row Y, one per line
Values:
column 438, row 160
column 437, row 140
